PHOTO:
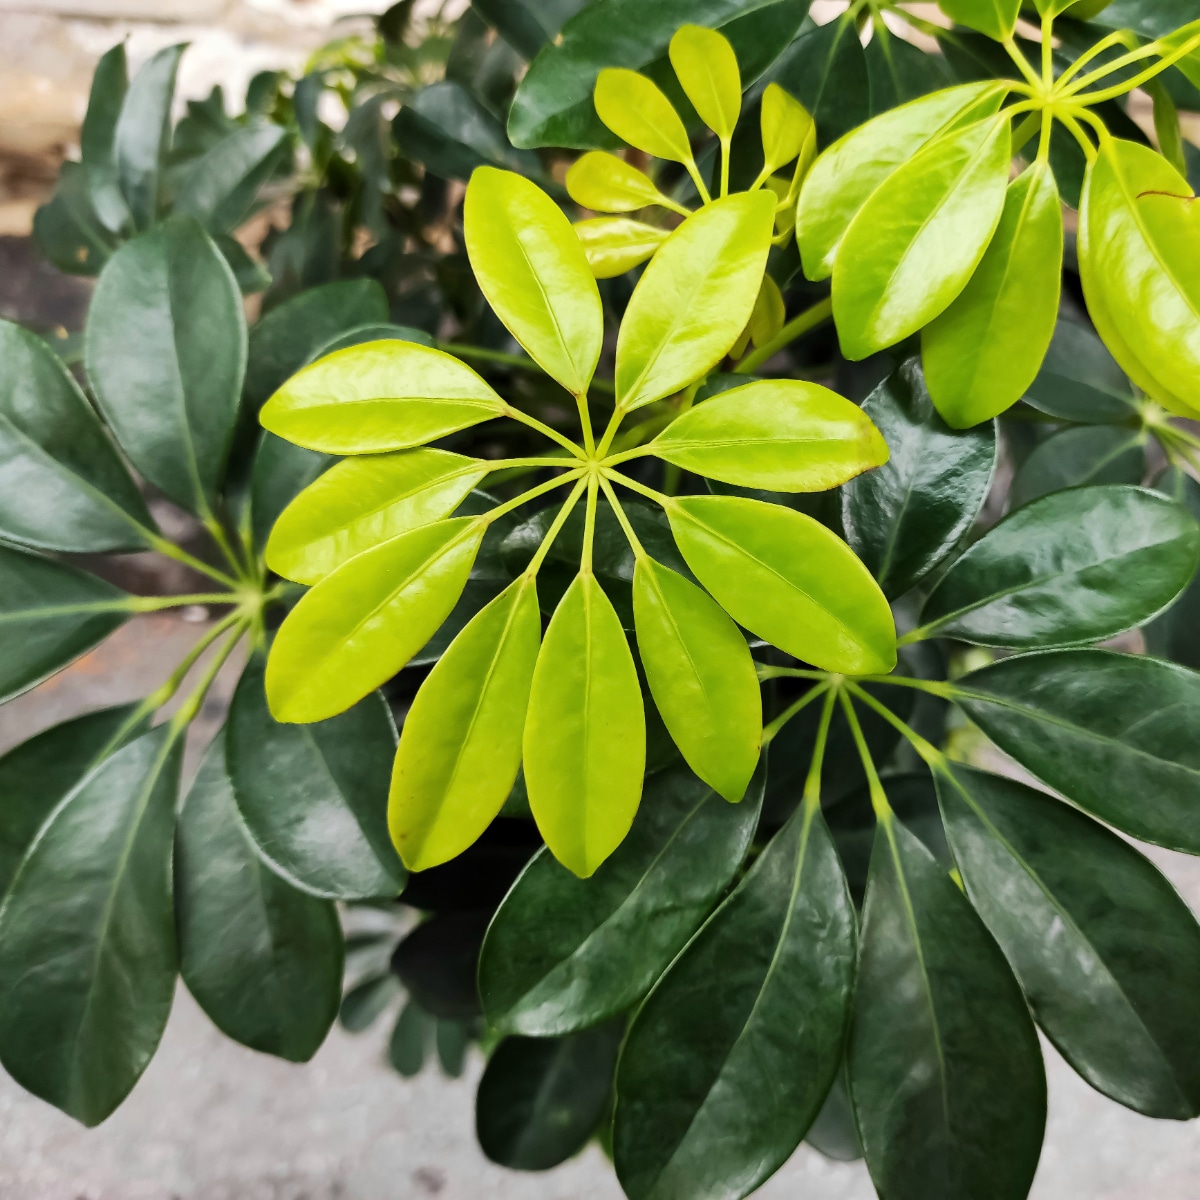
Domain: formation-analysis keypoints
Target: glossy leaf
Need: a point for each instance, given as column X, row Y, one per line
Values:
column 1076, row 566
column 694, row 298
column 532, row 271
column 826, row 70
column 262, row 959
column 606, row 183
column 728, row 1061
column 38, row 773
column 701, row 676
column 222, row 186
column 845, row 176
column 1137, row 251
column 97, row 140
column 708, row 72
column 1173, row 635
column 781, row 435
column 364, row 501
column 1106, row 951
column 63, row 485
column 357, row 627
column 87, row 935
column 314, row 797
column 787, row 129
column 1082, row 457
column 166, row 321
column 985, row 350
column 379, row 396
column 636, row 110
column 945, row 1067
column 563, row 953
column 143, row 132
column 614, row 245
column 1114, row 733
column 585, row 735
column 66, row 228
column 996, row 18
column 903, row 519
column 280, row 472
column 899, row 72
column 437, row 963
column 788, row 580
column 919, row 237
column 540, row 1099
column 527, row 25
column 460, row 748
column 50, row 614
column 1080, row 380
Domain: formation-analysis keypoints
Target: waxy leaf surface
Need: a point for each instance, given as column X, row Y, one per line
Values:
column 707, row 70
column 614, row 245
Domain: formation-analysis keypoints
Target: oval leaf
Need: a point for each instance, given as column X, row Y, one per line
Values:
column 378, row 396
column 614, row 245
column 262, row 959
column 532, row 270
column 1076, row 566
column 314, row 797
column 143, row 134
column 787, row 129
column 1080, row 457
column 694, row 298
column 788, row 580
column 996, row 18
column 782, row 435
column 221, row 186
column 636, row 110
column 460, row 748
column 605, row 183
column 708, row 72
column 1080, row 380
column 585, row 736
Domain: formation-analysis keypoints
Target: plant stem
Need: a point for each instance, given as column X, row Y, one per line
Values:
column 772, row 729
column 879, row 800
column 1120, row 38
column 725, row 166
column 503, row 359
column 766, row 672
column 217, row 532
column 809, row 319
column 1122, row 89
column 494, row 514
column 152, row 604
column 928, row 752
column 1089, row 151
column 191, row 706
column 1047, row 51
column 941, row 688
column 635, row 544
column 812, row 783
column 585, row 423
column 589, row 524
column 548, row 431
column 1022, row 64
column 640, row 488
column 556, row 525
column 162, row 546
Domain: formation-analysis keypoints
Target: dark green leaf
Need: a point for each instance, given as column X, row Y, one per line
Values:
column 835, row 1132
column 1149, row 18
column 1117, row 734
column 97, row 140
column 262, row 959
column 898, row 71
column 1176, row 633
column 409, row 1040
column 540, row 1099
column 50, row 613
column 373, row 333
column 67, row 229
column 250, row 274
column 87, row 935
column 166, row 322
column 1106, row 951
column 314, row 797
column 1076, row 566
column 453, row 1042
column 563, row 953
column 730, row 1058
column 905, row 517
column 220, row 189
column 527, row 25
column 945, row 1067
column 366, row 1001
column 282, row 470
column 63, row 485
column 1078, row 457
column 438, row 962
column 1080, row 381
column 143, row 134
column 826, row 70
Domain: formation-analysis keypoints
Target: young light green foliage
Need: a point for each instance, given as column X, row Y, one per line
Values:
column 638, row 112
column 614, row 245
column 390, row 562
column 607, row 183
column 707, row 69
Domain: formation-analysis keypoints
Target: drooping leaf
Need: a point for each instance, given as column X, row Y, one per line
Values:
column 788, row 580
column 606, row 183
column 532, row 271
column 314, row 797
column 357, row 627
column 781, row 435
column 166, row 322
column 379, row 396
column 585, row 735
column 1106, row 951
column 707, row 70
column 63, row 485
column 222, row 186
column 1080, row 380
column 540, row 1099
column 460, row 748
column 1114, row 733
column 614, row 245
column 694, row 298
column 563, row 953
column 728, row 1061
column 904, row 518
column 364, row 501
column 1073, row 458
column 50, row 613
column 985, row 350
column 87, row 935
column 142, row 135
column 262, row 959
column 701, row 676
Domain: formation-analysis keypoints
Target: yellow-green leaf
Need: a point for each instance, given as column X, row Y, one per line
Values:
column 364, row 501
column 460, row 748
column 782, row 435
column 769, row 312
column 585, row 735
column 787, row 129
column 605, row 183
column 786, row 578
column 378, row 396
column 918, row 239
column 638, row 112
column 694, row 298
column 614, row 245
column 848, row 172
column 707, row 70
column 360, row 625
column 532, row 270
column 985, row 350
column 701, row 676
column 996, row 18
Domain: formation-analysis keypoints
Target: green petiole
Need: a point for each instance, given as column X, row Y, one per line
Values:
column 556, row 525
